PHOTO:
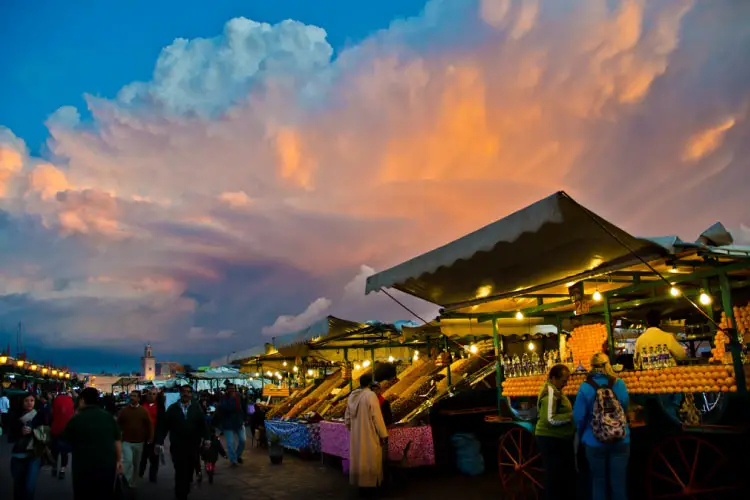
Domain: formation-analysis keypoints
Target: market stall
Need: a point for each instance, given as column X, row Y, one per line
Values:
column 558, row 263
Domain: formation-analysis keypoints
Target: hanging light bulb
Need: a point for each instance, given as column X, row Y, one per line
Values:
column 597, row 296
column 257, row 374
column 310, row 372
column 674, row 269
column 366, row 363
column 473, row 349
column 519, row 315
column 416, row 355
column 284, row 363
column 674, row 291
column 391, row 359
column 705, row 298
column 269, row 374
column 357, row 366
column 295, row 369
column 531, row 346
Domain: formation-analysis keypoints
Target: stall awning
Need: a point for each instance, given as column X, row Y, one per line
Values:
column 553, row 240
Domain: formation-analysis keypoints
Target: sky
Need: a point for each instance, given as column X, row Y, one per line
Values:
column 205, row 179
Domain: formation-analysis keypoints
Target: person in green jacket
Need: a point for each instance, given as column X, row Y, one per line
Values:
column 555, row 432
column 185, row 424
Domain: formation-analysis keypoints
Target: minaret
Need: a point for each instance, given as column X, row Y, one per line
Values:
column 148, row 364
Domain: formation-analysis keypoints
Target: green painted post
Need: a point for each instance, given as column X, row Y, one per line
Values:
column 734, row 342
column 445, row 343
column 610, row 331
column 498, row 368
column 346, row 362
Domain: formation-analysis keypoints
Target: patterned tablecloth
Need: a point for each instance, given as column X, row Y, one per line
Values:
column 296, row 435
column 334, row 440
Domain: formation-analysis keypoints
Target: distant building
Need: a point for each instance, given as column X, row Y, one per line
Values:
column 167, row 368
column 148, row 364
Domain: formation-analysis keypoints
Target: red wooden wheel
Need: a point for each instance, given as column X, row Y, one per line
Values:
column 520, row 464
column 689, row 467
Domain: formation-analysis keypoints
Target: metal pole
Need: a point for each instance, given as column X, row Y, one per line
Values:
column 734, row 343
column 498, row 369
column 346, row 363
column 610, row 331
column 445, row 342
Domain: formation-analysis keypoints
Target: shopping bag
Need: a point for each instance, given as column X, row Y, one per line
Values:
column 120, row 488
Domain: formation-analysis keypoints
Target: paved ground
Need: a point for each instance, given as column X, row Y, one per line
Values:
column 257, row 479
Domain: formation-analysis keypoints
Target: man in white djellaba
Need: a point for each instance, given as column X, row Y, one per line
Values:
column 367, row 432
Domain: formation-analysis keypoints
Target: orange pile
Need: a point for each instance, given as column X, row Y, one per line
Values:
column 585, row 341
column 699, row 378
column 742, row 318
column 681, row 379
column 530, row 386
column 719, row 352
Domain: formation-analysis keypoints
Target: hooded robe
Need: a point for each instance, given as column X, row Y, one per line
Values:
column 366, row 429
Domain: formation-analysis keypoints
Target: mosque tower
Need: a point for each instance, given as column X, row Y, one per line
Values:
column 148, row 364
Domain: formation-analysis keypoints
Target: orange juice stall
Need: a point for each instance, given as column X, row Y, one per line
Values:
column 559, row 265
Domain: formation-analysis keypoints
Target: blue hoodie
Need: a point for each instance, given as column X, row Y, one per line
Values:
column 584, row 408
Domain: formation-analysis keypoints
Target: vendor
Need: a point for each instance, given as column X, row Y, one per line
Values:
column 655, row 336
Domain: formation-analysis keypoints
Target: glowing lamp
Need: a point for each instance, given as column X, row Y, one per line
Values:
column 519, row 315
column 44, row 371
column 54, row 373
column 705, row 299
column 473, row 349
column 531, row 346
column 391, row 359
column 597, row 296
column 366, row 363
column 67, row 375
column 284, row 363
column 674, row 291
column 357, row 366
column 295, row 369
column 3, row 360
column 310, row 372
column 34, row 367
column 19, row 363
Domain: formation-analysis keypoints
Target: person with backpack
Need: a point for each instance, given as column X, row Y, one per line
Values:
column 554, row 432
column 600, row 418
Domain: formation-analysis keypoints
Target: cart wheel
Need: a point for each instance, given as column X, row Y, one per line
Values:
column 520, row 465
column 690, row 467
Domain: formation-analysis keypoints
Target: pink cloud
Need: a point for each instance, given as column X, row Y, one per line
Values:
column 311, row 167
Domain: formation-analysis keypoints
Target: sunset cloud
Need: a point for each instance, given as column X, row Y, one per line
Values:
column 255, row 181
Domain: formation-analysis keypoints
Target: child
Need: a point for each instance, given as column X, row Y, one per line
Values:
column 211, row 454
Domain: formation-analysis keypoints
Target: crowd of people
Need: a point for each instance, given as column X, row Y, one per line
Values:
column 113, row 448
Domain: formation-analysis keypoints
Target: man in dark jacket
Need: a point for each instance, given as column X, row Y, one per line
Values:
column 186, row 427
column 97, row 448
column 232, row 414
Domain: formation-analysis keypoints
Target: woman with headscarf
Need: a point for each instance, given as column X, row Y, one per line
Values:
column 554, row 432
column 25, row 460
column 608, row 462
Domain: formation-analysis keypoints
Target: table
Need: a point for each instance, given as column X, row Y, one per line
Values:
column 296, row 436
column 334, row 440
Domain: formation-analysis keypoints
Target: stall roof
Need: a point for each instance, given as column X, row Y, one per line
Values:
column 325, row 328
column 553, row 240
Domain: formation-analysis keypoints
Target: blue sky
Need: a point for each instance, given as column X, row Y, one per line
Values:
column 240, row 183
column 55, row 51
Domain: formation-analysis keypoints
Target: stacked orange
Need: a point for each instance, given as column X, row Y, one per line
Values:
column 719, row 352
column 585, row 341
column 742, row 318
column 681, row 379
column 701, row 378
column 530, row 386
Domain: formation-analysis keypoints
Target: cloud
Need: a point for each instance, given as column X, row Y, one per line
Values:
column 255, row 175
column 290, row 323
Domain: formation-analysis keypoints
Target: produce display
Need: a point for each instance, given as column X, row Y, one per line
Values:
column 286, row 405
column 409, row 376
column 684, row 379
column 460, row 369
column 719, row 352
column 741, row 317
column 585, row 341
column 301, row 406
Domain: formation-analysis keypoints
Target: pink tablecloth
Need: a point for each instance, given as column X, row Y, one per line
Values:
column 334, row 440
